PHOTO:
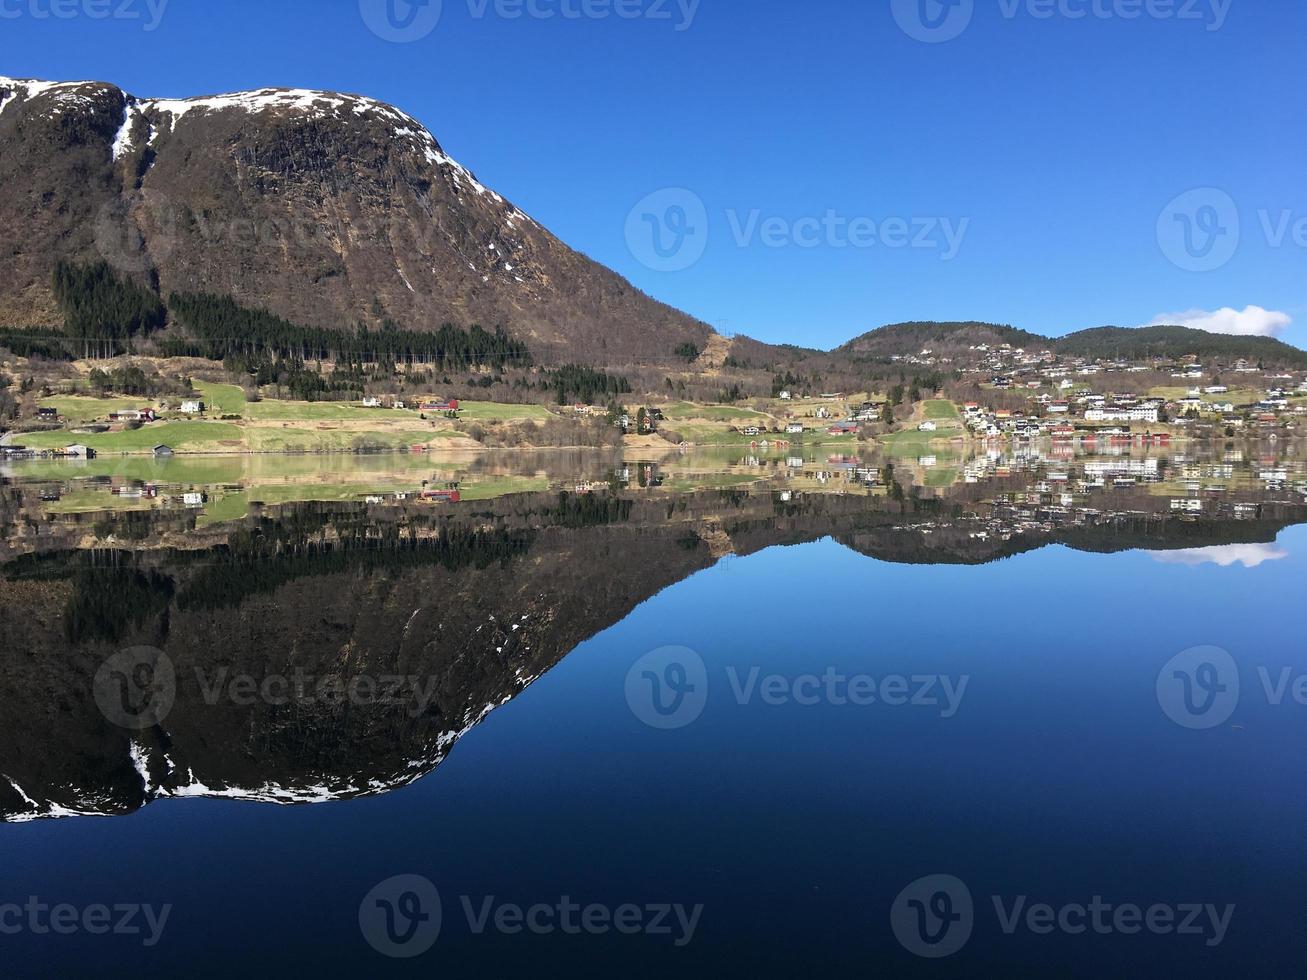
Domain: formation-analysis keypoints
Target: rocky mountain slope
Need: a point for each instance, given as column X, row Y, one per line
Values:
column 326, row 209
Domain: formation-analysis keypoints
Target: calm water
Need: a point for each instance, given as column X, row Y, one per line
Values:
column 800, row 724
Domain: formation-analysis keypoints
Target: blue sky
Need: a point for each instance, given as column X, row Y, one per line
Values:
column 849, row 173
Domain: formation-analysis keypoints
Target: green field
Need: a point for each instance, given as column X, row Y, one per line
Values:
column 220, row 399
column 293, row 440
column 181, row 470
column 940, row 477
column 711, row 435
column 225, row 507
column 181, row 436
column 79, row 409
column 940, row 409
column 712, row 413
column 910, row 442
column 499, row 412
column 711, row 481
column 279, row 411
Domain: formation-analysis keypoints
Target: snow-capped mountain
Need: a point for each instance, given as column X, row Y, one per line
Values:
column 328, row 209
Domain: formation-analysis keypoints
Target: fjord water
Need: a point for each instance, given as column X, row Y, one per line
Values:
column 1042, row 761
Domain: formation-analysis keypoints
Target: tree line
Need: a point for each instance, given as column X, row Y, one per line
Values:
column 99, row 305
column 219, row 327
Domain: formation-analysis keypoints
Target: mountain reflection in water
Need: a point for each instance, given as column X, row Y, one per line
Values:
column 322, row 650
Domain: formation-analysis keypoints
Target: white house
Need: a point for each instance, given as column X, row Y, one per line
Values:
column 794, row 429
column 372, row 403
column 1138, row 413
column 192, row 407
column 927, row 427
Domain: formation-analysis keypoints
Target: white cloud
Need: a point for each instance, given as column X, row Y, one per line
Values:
column 1247, row 555
column 1252, row 322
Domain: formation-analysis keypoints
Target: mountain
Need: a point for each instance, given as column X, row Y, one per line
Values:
column 323, row 208
column 1140, row 343
column 903, row 339
column 1128, row 343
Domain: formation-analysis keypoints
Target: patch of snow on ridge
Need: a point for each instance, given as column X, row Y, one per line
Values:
column 122, row 143
column 141, row 763
column 66, row 93
column 53, row 811
column 311, row 102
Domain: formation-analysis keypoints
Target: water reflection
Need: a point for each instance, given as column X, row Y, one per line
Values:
column 329, row 649
column 1247, row 555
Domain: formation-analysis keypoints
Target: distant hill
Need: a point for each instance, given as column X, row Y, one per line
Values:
column 1128, row 343
column 902, row 339
column 1132, row 343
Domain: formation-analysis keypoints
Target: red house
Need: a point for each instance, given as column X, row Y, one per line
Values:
column 438, row 405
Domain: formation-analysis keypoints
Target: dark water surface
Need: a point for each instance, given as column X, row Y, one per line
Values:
column 749, row 732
